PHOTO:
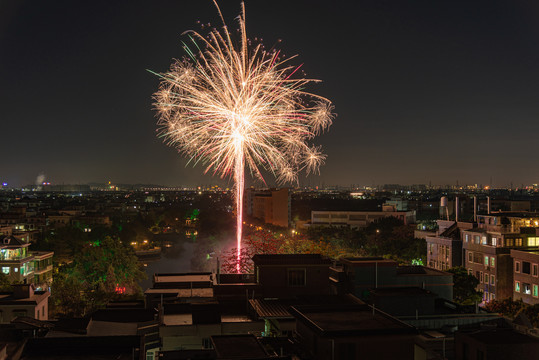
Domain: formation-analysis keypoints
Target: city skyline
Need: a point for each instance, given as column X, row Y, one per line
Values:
column 424, row 92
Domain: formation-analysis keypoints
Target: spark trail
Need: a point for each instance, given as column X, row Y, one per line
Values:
column 231, row 104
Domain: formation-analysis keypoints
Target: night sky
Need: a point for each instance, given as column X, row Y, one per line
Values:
column 439, row 91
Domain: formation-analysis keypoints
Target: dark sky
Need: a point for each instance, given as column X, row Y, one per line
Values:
column 424, row 90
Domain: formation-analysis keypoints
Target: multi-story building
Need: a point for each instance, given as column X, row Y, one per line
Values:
column 42, row 269
column 271, row 206
column 444, row 250
column 359, row 219
column 15, row 260
column 487, row 250
column 526, row 275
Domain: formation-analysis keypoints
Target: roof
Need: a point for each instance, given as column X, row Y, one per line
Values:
column 500, row 337
column 349, row 320
column 182, row 278
column 402, row 291
column 270, row 309
column 291, row 259
column 10, row 241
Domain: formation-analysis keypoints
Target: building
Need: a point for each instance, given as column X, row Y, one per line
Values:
column 444, row 249
column 526, row 275
column 42, row 269
column 271, row 206
column 286, row 276
column 24, row 300
column 352, row 332
column 494, row 343
column 359, row 276
column 487, row 250
column 359, row 219
column 15, row 260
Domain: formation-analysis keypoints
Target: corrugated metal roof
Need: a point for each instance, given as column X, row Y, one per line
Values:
column 270, row 308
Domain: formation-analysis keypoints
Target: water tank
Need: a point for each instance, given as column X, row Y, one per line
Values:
column 443, row 201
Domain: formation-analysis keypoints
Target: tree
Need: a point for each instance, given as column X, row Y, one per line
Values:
column 464, row 288
column 103, row 271
column 5, row 285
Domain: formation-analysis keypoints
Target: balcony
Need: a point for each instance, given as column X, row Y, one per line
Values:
column 42, row 269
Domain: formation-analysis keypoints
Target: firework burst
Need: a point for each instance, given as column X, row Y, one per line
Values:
column 231, row 104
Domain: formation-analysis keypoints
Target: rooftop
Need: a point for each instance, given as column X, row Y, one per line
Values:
column 349, row 320
column 290, row 259
column 500, row 336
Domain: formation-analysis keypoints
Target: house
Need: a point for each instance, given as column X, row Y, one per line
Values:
column 24, row 300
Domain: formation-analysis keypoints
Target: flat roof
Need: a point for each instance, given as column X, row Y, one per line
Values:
column 179, row 278
column 291, row 259
column 501, row 337
column 349, row 320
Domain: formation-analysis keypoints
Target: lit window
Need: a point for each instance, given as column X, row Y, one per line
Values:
column 492, row 280
column 16, row 269
column 535, row 291
column 533, row 241
column 486, row 260
column 5, row 270
column 484, row 240
column 517, row 286
column 527, row 288
column 467, row 237
column 494, row 241
column 492, row 262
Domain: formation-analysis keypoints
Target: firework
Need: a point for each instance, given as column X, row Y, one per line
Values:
column 230, row 104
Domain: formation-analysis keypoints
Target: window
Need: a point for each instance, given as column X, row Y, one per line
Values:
column 470, row 272
column 533, row 241
column 534, row 270
column 296, row 277
column 527, row 289
column 518, row 242
column 483, row 240
column 517, row 266
column 509, row 242
column 492, row 280
column 470, row 256
column 492, row 261
column 517, row 286
column 38, row 317
column 492, row 296
column 5, row 270
column 16, row 269
column 467, row 237
column 486, row 260
column 535, row 291
column 526, row 267
column 494, row 241
column 481, row 278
